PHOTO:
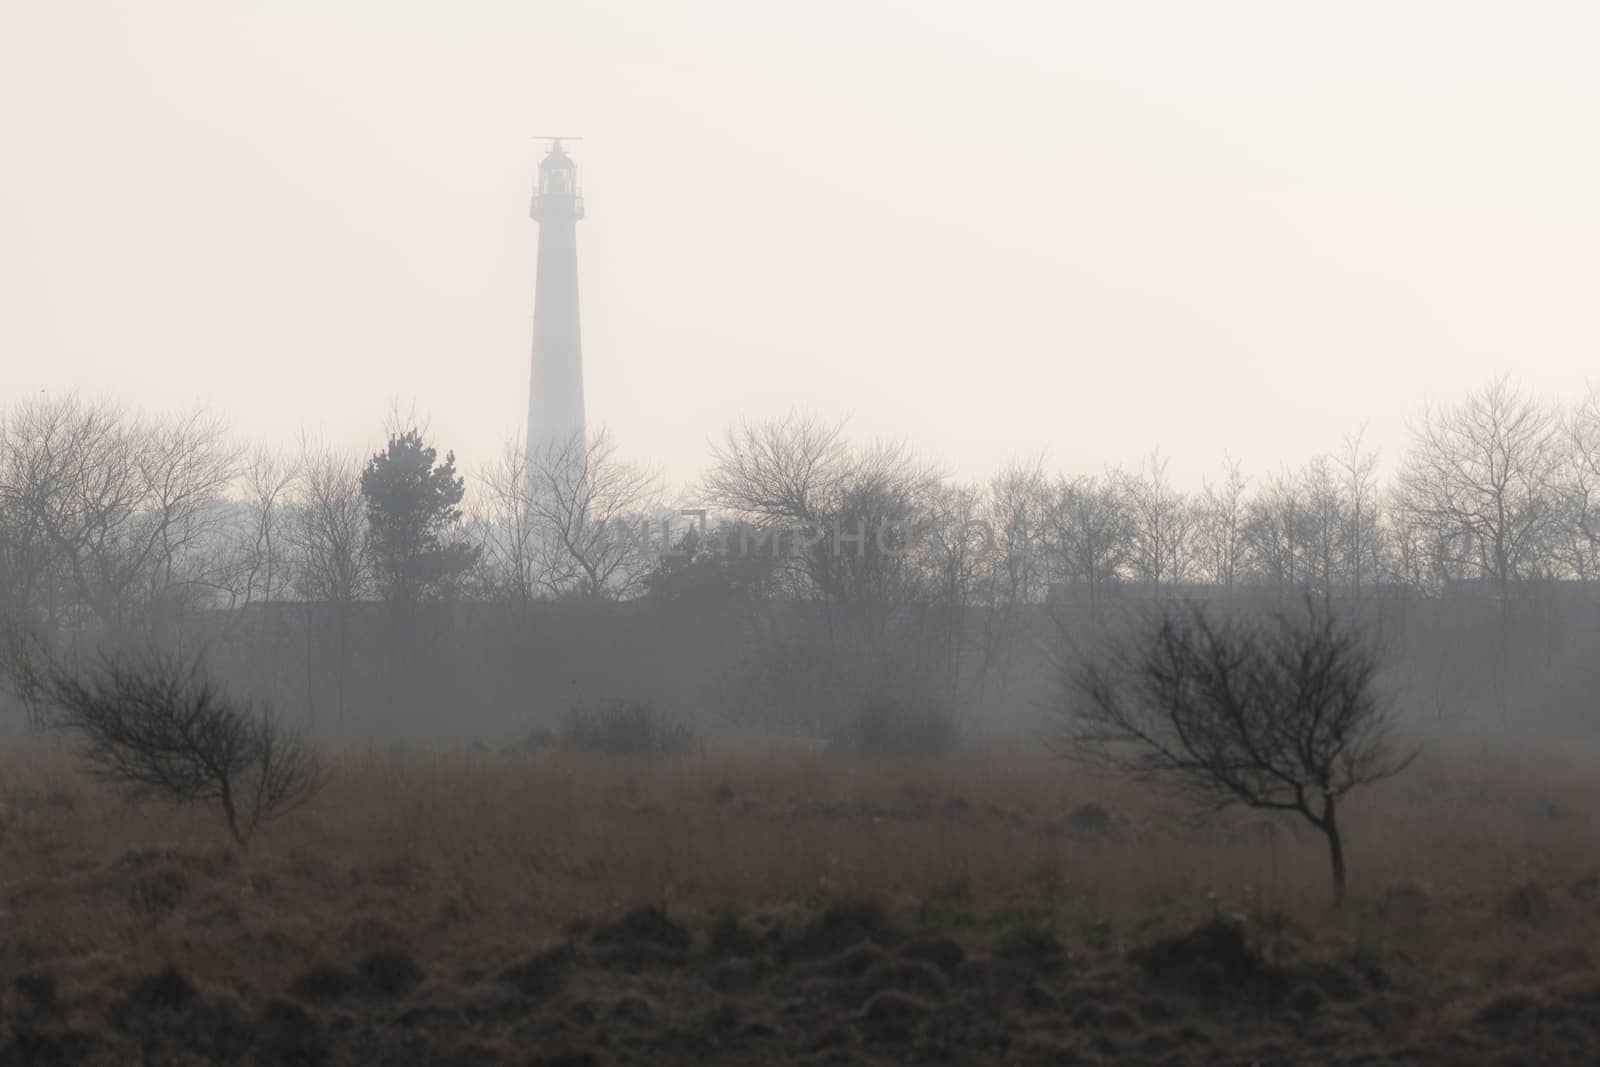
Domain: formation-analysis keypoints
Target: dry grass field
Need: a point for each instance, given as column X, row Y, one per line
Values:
column 762, row 903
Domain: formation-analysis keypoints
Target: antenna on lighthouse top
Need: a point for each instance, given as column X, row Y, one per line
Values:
column 555, row 142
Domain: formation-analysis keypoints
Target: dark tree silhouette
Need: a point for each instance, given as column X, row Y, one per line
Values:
column 413, row 508
column 702, row 572
column 1278, row 715
column 158, row 724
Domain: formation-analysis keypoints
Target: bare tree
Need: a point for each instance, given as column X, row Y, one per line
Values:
column 874, row 557
column 1279, row 716
column 120, row 509
column 1578, row 539
column 1363, row 545
column 861, row 546
column 511, row 553
column 782, row 471
column 328, row 534
column 1480, row 479
column 33, row 582
column 1011, row 548
column 1325, row 525
column 1090, row 533
column 159, row 725
column 329, row 528
column 259, row 568
column 1018, row 511
column 70, row 484
column 1163, row 522
column 1340, row 536
column 966, row 609
column 1274, row 533
column 838, row 514
column 592, row 514
column 1219, row 527
column 185, row 465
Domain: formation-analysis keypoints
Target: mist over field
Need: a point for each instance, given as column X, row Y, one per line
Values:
column 850, row 534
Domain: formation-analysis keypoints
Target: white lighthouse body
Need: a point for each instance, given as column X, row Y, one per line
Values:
column 555, row 387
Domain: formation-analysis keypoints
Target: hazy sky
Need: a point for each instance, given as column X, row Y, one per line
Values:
column 1086, row 227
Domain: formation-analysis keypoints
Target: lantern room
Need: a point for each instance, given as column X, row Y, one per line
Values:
column 557, row 194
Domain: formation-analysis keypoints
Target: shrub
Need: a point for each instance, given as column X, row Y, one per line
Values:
column 627, row 728
column 159, row 725
column 892, row 728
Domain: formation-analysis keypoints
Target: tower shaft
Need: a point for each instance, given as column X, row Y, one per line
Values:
column 555, row 387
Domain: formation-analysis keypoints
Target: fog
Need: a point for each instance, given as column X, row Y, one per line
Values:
column 585, row 534
column 1087, row 229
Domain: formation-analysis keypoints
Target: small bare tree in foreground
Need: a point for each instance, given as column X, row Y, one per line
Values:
column 1278, row 715
column 159, row 725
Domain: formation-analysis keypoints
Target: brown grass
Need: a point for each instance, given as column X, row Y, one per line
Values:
column 470, row 861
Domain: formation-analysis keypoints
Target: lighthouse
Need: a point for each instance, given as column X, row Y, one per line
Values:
column 555, row 386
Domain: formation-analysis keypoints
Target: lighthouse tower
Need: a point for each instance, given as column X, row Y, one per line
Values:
column 555, row 388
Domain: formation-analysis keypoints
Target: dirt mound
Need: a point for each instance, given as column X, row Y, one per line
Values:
column 171, row 1022
column 380, row 974
column 1213, row 961
column 735, row 976
column 853, row 962
column 542, row 973
column 287, row 1033
column 765, row 993
column 643, row 926
column 389, row 974
column 643, row 938
column 1039, row 949
column 842, row 925
column 323, row 984
column 942, row 952
column 909, row 976
column 165, row 991
column 1506, row 1011
column 731, row 938
column 892, row 1017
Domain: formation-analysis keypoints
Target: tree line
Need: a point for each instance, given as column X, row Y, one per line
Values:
column 118, row 524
